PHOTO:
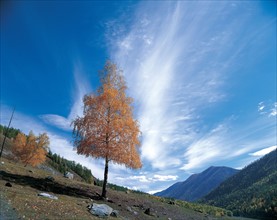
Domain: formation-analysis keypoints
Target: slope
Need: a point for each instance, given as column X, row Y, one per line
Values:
column 252, row 192
column 198, row 185
column 74, row 197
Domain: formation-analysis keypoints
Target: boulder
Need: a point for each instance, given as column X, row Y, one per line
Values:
column 8, row 184
column 115, row 213
column 100, row 210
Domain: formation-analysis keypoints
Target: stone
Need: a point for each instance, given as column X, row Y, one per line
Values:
column 50, row 178
column 115, row 213
column 171, row 202
column 8, row 184
column 100, row 210
column 128, row 208
column 47, row 195
column 147, row 211
column 69, row 175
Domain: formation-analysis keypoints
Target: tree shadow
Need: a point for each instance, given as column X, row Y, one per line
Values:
column 48, row 185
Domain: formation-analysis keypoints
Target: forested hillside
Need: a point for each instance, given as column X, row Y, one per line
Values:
column 9, row 132
column 252, row 192
column 61, row 164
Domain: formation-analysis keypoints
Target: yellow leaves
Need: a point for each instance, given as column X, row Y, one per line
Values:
column 31, row 149
column 108, row 129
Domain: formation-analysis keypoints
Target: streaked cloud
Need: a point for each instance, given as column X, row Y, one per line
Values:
column 263, row 152
column 82, row 88
column 151, row 178
column 177, row 66
column 268, row 108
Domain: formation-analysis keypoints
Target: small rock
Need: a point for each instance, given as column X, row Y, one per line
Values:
column 50, row 178
column 147, row 211
column 110, row 201
column 8, row 184
column 135, row 213
column 47, row 195
column 69, row 175
column 2, row 162
column 128, row 208
column 115, row 213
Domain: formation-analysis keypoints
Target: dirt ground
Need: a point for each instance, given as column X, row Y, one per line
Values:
column 21, row 200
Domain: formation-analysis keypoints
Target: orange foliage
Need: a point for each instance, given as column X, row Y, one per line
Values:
column 107, row 129
column 31, row 149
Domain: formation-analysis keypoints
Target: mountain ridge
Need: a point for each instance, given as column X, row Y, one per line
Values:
column 252, row 192
column 198, row 185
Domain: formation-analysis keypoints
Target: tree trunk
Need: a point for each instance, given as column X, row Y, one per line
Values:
column 104, row 191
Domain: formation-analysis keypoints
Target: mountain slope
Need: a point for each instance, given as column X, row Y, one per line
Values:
column 198, row 185
column 252, row 192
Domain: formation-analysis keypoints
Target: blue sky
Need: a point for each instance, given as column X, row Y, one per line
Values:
column 202, row 74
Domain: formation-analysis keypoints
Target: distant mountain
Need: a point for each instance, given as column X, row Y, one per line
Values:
column 252, row 192
column 198, row 185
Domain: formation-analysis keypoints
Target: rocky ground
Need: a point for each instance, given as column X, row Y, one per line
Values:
column 20, row 186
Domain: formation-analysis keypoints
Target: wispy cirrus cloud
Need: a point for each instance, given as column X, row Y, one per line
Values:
column 81, row 88
column 176, row 66
column 263, row 151
column 267, row 108
column 230, row 140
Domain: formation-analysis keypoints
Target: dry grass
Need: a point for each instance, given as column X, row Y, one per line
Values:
column 74, row 197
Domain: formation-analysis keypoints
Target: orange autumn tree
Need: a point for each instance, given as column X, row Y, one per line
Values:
column 30, row 149
column 108, row 129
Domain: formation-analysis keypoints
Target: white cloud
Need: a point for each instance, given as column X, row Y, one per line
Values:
column 229, row 140
column 179, row 74
column 152, row 192
column 58, row 144
column 267, row 108
column 58, row 121
column 263, row 152
column 164, row 178
column 261, row 106
column 150, row 178
column 273, row 110
column 82, row 88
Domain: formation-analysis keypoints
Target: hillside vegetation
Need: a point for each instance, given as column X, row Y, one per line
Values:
column 252, row 192
column 21, row 199
column 74, row 197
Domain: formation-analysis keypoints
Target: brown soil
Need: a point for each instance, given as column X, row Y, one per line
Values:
column 74, row 197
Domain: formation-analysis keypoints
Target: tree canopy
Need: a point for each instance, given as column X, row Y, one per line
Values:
column 31, row 149
column 108, row 129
